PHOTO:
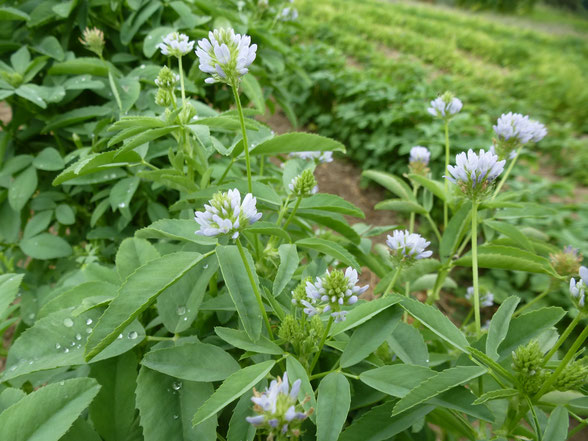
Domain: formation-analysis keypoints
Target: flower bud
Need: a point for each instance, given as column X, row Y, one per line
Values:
column 419, row 160
column 566, row 262
column 445, row 106
column 572, row 377
column 528, row 362
column 93, row 39
column 304, row 184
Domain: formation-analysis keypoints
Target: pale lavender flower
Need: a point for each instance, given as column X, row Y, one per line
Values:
column 320, row 157
column 578, row 289
column 226, row 214
column 445, row 106
column 175, row 45
column 226, row 56
column 474, row 173
column 486, row 299
column 407, row 247
column 289, row 14
column 420, row 154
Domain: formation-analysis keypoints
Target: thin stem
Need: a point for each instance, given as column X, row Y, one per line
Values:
column 393, row 281
column 148, row 164
column 255, row 289
column 475, row 266
column 535, row 419
column 220, row 181
column 467, row 318
column 536, row 299
column 445, row 208
column 235, row 88
column 321, row 344
column 577, row 429
column 562, row 338
column 298, row 201
column 508, row 170
column 415, row 191
column 567, row 358
column 182, row 80
column 434, row 227
column 283, row 210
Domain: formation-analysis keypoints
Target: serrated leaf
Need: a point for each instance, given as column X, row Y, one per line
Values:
column 297, row 142
column 175, row 229
column 132, row 254
column 362, row 312
column 435, row 187
column 331, row 203
column 268, row 228
column 329, row 248
column 239, row 339
column 75, row 117
column 297, row 372
column 503, row 257
column 96, row 162
column 512, row 232
column 455, row 231
column 497, row 394
column 288, row 263
column 334, row 399
column 408, row 344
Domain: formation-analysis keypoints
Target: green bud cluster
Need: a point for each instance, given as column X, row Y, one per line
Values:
column 572, row 377
column 304, row 184
column 299, row 293
column 93, row 39
column 566, row 262
column 302, row 334
column 166, row 81
column 528, row 362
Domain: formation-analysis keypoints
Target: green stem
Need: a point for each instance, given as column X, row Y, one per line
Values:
column 434, row 227
column 182, row 81
column 393, row 281
column 235, row 88
column 508, row 170
column 283, row 210
column 577, row 429
column 255, row 289
column 321, row 344
column 415, row 191
column 298, row 201
column 445, row 208
column 220, row 181
column 475, row 266
column 467, row 318
column 567, row 358
column 562, row 338
column 535, row 419
column 536, row 299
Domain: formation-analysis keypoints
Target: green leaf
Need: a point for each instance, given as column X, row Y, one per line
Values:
column 144, row 137
column 510, row 258
column 55, row 407
column 83, row 295
column 9, row 284
column 239, row 339
column 49, row 159
column 136, row 294
column 437, row 384
column 239, row 427
column 192, row 361
column 174, row 229
column 231, row 389
column 12, row 14
column 334, row 399
column 435, row 187
column 330, row 203
column 22, row 188
column 153, row 38
column 50, row 46
column 437, row 322
column 334, row 221
column 136, row 122
column 268, row 228
column 497, row 394
column 134, row 22
column 252, row 89
column 390, row 182
column 401, row 205
column 557, row 425
column 96, row 162
column 362, row 312
column 511, row 232
column 456, row 229
column 408, row 344
column 31, row 93
column 376, row 424
column 329, row 248
column 10, row 396
column 166, row 407
column 288, row 264
column 122, row 192
column 132, row 254
column 38, row 223
column 65, row 214
column 113, row 410
column 369, row 336
column 75, row 117
column 297, row 142
column 297, row 372
column 81, row 66
column 499, row 326
column 45, row 246
column 239, row 287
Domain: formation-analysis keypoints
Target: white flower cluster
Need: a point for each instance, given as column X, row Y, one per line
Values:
column 486, row 299
column 226, row 56
column 276, row 407
column 330, row 292
column 168, row 83
column 320, row 157
column 474, row 173
column 225, row 214
column 176, row 45
column 289, row 14
column 407, row 247
column 518, row 128
column 578, row 290
column 420, row 154
column 445, row 106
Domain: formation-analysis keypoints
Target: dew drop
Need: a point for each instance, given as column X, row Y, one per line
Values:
column 205, row 266
column 177, row 385
column 78, row 337
column 66, row 350
column 67, row 322
column 30, row 362
column 57, row 346
column 185, row 319
column 32, row 316
column 89, row 322
column 88, row 330
column 122, row 205
column 133, row 335
column 181, row 310
column 120, row 336
column 142, row 66
column 61, row 383
column 176, row 417
column 72, row 344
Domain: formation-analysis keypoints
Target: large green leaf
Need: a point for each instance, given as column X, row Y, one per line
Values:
column 499, row 326
column 94, row 163
column 231, row 389
column 49, row 159
column 437, row 322
column 239, row 287
column 329, row 248
column 331, row 202
column 239, row 339
column 363, row 311
column 45, row 246
column 288, row 263
column 192, row 361
column 391, row 182
column 297, row 142
column 297, row 372
column 174, row 229
column 435, row 187
column 75, row 117
column 47, row 413
column 557, row 425
column 401, row 205
column 512, row 232
column 84, row 295
column 132, row 254
column 9, row 284
column 166, row 406
column 408, row 344
column 136, row 294
column 456, row 229
column 370, row 335
column 22, row 188
column 333, row 403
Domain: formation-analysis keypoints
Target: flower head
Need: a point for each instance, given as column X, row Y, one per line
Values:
column 318, row 157
column 475, row 173
column 277, row 408
column 419, row 160
column 445, row 106
column 226, row 214
column 567, row 261
column 166, row 82
column 578, row 289
column 513, row 130
column 486, row 299
column 407, row 247
column 289, row 14
column 175, row 45
column 93, row 39
column 332, row 291
column 226, row 56
column 304, row 184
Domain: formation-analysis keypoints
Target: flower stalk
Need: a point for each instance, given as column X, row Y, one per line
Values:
column 321, row 344
column 235, row 87
column 445, row 207
column 475, row 266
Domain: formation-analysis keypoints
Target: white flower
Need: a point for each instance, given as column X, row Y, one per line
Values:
column 538, row 130
column 445, row 106
column 289, row 14
column 578, row 290
column 420, row 154
column 519, row 128
column 486, row 299
column 175, row 45
column 226, row 214
column 407, row 246
column 320, row 157
column 226, row 56
column 474, row 173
